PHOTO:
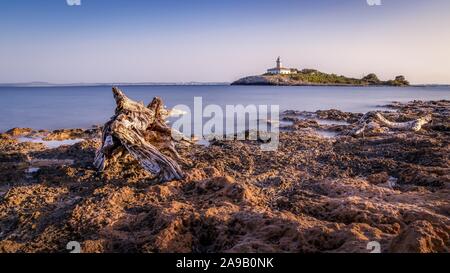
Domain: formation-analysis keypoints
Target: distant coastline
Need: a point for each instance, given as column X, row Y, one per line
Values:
column 47, row 84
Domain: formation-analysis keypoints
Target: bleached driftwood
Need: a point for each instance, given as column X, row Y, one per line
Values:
column 142, row 132
column 414, row 125
column 375, row 120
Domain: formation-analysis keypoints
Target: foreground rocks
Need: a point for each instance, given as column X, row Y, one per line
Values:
column 316, row 193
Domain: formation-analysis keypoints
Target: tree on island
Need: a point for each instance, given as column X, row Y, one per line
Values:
column 401, row 79
column 398, row 81
column 372, row 78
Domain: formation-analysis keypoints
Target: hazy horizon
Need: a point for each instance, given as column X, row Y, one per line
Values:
column 114, row 41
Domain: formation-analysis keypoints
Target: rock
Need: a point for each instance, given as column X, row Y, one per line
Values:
column 421, row 237
column 93, row 246
column 378, row 178
column 212, row 172
column 5, row 136
column 16, row 132
column 7, row 246
column 334, row 114
column 253, row 80
column 65, row 134
column 216, row 183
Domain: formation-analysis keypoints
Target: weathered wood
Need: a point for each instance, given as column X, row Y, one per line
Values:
column 414, row 125
column 142, row 132
column 375, row 120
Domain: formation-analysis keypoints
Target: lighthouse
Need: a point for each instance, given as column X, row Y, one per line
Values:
column 279, row 69
column 279, row 66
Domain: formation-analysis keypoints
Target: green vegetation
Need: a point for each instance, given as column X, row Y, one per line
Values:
column 313, row 76
column 398, row 81
column 317, row 77
column 372, row 79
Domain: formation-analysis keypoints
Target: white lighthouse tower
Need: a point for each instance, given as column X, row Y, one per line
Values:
column 279, row 69
column 279, row 66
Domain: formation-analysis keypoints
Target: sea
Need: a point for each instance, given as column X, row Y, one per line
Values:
column 57, row 107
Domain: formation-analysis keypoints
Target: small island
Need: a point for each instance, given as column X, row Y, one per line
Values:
column 280, row 75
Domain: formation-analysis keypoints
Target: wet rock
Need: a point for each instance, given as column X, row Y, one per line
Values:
column 334, row 114
column 66, row 134
column 16, row 132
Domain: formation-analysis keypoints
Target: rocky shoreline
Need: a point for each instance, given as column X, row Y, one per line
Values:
column 323, row 190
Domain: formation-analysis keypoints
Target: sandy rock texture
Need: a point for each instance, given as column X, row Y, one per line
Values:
column 316, row 193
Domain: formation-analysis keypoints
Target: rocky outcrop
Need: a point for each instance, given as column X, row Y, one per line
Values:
column 307, row 77
column 253, row 80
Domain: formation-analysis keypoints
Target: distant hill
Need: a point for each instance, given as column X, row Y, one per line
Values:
column 315, row 77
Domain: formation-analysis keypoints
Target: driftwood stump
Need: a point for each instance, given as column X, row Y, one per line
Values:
column 375, row 120
column 142, row 132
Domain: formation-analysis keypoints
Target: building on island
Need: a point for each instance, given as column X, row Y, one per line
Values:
column 279, row 69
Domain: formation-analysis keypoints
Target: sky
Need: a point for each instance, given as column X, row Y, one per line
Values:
column 220, row 40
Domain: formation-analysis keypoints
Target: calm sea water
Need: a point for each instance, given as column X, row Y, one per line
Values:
column 82, row 107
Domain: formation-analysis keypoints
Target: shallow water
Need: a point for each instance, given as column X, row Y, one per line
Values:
column 325, row 121
column 203, row 142
column 32, row 170
column 326, row 134
column 52, row 144
column 82, row 107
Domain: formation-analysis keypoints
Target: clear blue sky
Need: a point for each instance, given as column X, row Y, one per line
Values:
column 220, row 40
